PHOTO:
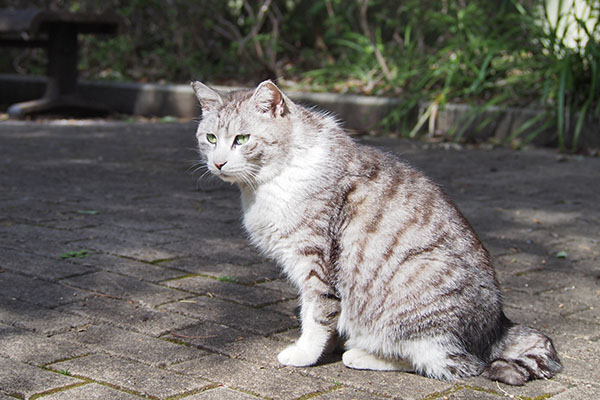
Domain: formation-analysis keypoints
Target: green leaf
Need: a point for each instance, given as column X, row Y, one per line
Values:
column 169, row 119
column 88, row 212
column 564, row 68
column 561, row 254
column 75, row 254
column 226, row 278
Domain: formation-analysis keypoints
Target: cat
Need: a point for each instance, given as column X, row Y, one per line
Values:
column 377, row 251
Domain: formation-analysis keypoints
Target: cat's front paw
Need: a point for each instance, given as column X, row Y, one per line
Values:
column 297, row 356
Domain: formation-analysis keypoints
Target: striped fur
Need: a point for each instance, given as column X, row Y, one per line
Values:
column 377, row 251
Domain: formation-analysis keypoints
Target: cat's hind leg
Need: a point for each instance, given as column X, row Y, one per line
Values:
column 359, row 359
column 441, row 358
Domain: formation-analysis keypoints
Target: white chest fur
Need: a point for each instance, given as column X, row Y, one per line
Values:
column 275, row 209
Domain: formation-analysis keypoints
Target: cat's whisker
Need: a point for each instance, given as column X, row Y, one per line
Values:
column 249, row 179
column 206, row 175
column 250, row 175
column 200, row 167
column 192, row 169
column 246, row 175
column 195, row 163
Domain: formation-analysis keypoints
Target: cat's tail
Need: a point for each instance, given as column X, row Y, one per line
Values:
column 522, row 354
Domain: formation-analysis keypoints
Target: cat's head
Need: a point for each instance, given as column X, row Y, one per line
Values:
column 244, row 135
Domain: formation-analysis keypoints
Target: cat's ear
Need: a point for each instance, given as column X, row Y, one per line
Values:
column 209, row 99
column 269, row 99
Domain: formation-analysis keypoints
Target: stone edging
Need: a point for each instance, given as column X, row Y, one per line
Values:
column 358, row 113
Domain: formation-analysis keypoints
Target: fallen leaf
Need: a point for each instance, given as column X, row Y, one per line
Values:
column 561, row 254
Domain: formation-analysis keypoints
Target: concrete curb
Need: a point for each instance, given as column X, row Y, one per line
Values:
column 358, row 113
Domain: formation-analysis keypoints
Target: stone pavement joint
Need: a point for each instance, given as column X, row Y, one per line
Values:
column 122, row 276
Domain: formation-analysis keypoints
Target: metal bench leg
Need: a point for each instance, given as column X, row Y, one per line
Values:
column 61, row 95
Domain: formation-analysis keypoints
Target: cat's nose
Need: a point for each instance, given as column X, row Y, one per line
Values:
column 219, row 166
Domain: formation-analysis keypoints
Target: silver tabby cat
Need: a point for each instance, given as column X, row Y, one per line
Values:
column 377, row 251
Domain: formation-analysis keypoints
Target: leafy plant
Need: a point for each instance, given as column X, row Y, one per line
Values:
column 75, row 254
column 227, row 278
column 475, row 59
column 489, row 54
column 569, row 85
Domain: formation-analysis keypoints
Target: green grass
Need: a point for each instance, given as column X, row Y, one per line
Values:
column 75, row 254
column 227, row 278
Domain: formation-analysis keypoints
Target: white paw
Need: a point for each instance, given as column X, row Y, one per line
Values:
column 296, row 356
column 360, row 359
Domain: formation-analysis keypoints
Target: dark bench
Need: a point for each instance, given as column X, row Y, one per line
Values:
column 56, row 31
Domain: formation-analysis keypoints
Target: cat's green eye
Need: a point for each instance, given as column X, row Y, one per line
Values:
column 211, row 138
column 241, row 139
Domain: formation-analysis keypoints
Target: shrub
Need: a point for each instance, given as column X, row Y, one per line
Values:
column 502, row 53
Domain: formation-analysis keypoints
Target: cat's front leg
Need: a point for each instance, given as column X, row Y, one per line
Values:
column 319, row 311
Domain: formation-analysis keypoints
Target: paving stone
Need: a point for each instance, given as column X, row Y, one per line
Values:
column 271, row 383
column 208, row 335
column 539, row 388
column 131, row 345
column 576, row 370
column 36, row 348
column 592, row 314
column 150, row 211
column 74, row 219
column 238, row 316
column 37, row 318
column 242, row 273
column 130, row 375
column 26, row 211
column 124, row 266
column 91, row 391
column 583, row 290
column 37, row 291
column 249, row 295
column 280, row 284
column 393, row 384
column 344, row 393
column 125, row 287
column 538, row 282
column 129, row 235
column 233, row 250
column 256, row 349
column 288, row 336
column 552, row 323
column 36, row 239
column 221, row 393
column 580, row 392
column 469, row 394
column 40, row 266
column 151, row 216
column 24, row 380
column 291, row 308
column 142, row 252
column 129, row 315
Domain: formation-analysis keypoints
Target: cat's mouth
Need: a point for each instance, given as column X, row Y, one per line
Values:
column 227, row 177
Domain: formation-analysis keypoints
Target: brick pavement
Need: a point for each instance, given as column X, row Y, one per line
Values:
column 123, row 277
